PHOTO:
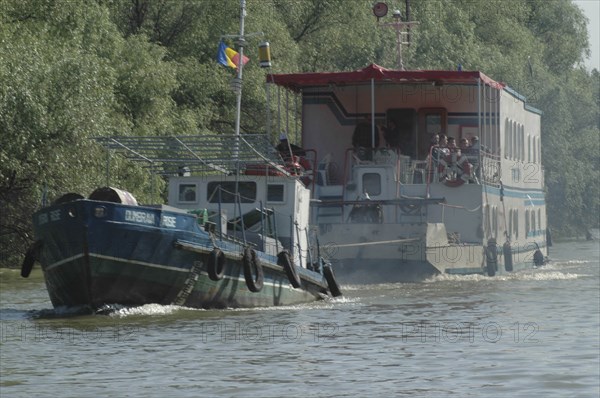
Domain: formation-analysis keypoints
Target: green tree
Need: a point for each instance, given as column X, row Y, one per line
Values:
column 72, row 71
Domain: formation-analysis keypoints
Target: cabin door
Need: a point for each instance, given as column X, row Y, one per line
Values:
column 405, row 122
column 431, row 121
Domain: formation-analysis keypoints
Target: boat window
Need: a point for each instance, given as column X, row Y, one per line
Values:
column 510, row 224
column 275, row 192
column 506, row 139
column 515, row 133
column 486, row 220
column 187, row 192
column 371, row 183
column 246, row 190
column 522, row 143
column 496, row 144
column 431, row 121
column 527, row 226
column 495, row 220
column 516, row 224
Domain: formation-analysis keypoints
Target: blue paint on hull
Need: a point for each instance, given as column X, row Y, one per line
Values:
column 128, row 256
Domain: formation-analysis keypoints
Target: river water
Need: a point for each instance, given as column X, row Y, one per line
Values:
column 528, row 334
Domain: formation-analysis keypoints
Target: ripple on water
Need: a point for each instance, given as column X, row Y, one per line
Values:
column 529, row 333
column 533, row 275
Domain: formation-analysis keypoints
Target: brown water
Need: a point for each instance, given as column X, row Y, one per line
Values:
column 530, row 334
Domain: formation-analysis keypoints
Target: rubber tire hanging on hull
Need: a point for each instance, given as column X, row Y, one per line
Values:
column 252, row 267
column 508, row 259
column 216, row 264
column 334, row 288
column 491, row 257
column 33, row 254
column 284, row 259
column 538, row 258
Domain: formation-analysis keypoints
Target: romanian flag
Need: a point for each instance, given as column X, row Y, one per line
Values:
column 229, row 57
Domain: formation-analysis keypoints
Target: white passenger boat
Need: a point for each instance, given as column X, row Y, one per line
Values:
column 400, row 207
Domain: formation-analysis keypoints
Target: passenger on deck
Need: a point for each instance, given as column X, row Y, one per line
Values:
column 434, row 145
column 294, row 157
column 464, row 145
column 362, row 139
column 436, row 155
column 472, row 153
column 392, row 135
column 452, row 145
column 434, row 140
column 444, row 143
column 474, row 146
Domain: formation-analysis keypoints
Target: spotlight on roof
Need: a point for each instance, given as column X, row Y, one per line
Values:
column 380, row 10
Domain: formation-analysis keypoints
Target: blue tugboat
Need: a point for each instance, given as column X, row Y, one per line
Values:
column 235, row 234
column 238, row 238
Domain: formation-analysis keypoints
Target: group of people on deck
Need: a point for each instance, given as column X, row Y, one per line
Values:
column 442, row 145
column 446, row 155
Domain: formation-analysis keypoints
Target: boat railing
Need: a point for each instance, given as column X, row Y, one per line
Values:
column 490, row 169
column 373, row 211
column 258, row 228
column 310, row 174
column 222, row 153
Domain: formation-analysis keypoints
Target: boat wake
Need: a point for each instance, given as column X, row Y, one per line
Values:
column 568, row 262
column 535, row 275
column 322, row 304
column 120, row 311
column 373, row 286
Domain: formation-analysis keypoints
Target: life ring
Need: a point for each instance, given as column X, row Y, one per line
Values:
column 215, row 265
column 285, row 261
column 454, row 183
column 252, row 267
column 455, row 170
column 33, row 254
column 334, row 288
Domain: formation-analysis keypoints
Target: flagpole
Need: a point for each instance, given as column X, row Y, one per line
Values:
column 238, row 80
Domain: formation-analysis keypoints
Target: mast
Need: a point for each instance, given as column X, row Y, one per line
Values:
column 402, row 28
column 237, row 81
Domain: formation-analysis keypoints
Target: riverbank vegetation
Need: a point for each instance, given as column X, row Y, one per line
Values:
column 74, row 70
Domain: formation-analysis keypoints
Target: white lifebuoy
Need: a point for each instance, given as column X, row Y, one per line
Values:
column 455, row 170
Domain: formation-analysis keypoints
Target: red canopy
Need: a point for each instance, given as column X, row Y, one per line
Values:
column 297, row 81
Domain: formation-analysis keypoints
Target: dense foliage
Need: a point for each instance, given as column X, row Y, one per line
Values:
column 74, row 70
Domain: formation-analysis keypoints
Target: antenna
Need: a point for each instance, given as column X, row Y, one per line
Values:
column 401, row 27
